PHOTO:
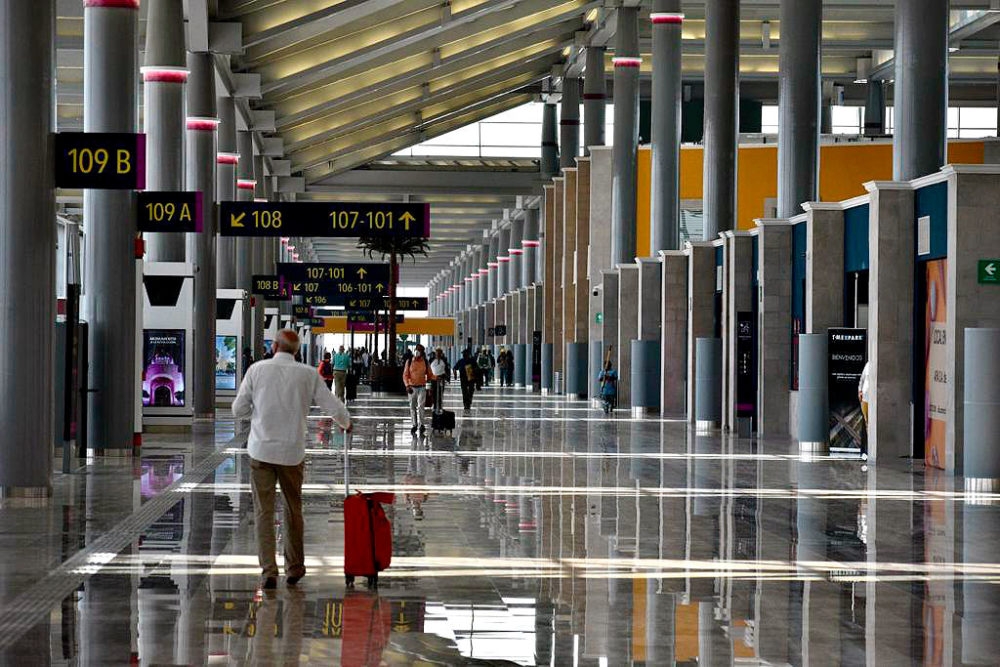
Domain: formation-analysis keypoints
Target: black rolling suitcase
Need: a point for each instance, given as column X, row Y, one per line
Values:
column 351, row 387
column 441, row 419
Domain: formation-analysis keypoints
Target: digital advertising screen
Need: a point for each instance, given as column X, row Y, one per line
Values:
column 226, row 355
column 163, row 368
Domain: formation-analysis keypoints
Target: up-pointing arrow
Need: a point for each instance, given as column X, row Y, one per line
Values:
column 362, row 273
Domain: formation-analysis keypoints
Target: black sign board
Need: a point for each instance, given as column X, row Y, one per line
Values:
column 746, row 365
column 536, row 357
column 271, row 288
column 332, row 280
column 372, row 303
column 302, row 312
column 500, row 330
column 490, row 332
column 848, row 353
column 314, row 322
column 100, row 160
column 170, row 212
column 326, row 219
column 368, row 317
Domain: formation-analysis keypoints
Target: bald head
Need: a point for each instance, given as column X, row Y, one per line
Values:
column 287, row 341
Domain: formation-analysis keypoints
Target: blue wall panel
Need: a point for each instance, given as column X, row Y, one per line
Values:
column 856, row 238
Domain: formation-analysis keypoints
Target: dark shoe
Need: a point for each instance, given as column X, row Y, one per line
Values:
column 422, row 430
column 270, row 584
column 291, row 581
column 413, row 430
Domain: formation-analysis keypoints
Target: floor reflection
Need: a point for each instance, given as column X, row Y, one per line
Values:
column 570, row 540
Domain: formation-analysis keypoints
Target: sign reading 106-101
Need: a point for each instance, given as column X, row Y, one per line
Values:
column 100, row 160
column 329, row 219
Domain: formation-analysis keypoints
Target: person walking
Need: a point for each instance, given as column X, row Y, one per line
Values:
column 484, row 369
column 341, row 364
column 502, row 365
column 864, row 395
column 467, row 372
column 509, row 368
column 276, row 396
column 609, row 387
column 416, row 374
column 326, row 369
column 442, row 373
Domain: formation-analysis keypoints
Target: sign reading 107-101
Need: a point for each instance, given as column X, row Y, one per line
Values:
column 100, row 160
column 329, row 219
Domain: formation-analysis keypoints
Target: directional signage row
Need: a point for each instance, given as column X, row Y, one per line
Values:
column 368, row 317
column 335, row 280
column 325, row 219
column 302, row 312
column 402, row 303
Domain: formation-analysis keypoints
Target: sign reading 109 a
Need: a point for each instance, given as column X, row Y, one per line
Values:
column 170, row 212
column 100, row 161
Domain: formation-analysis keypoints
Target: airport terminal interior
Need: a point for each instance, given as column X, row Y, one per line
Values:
column 712, row 288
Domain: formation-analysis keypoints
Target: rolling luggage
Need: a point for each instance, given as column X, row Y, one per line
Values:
column 367, row 531
column 351, row 387
column 443, row 421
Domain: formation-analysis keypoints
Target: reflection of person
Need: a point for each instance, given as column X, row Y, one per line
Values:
column 864, row 395
column 247, row 359
column 276, row 396
column 467, row 373
column 341, row 364
column 416, row 374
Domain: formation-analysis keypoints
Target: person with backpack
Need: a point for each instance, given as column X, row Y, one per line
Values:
column 326, row 370
column 502, row 365
column 467, row 372
column 483, row 363
column 416, row 374
column 609, row 387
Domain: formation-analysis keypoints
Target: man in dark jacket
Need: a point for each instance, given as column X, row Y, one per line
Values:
column 467, row 371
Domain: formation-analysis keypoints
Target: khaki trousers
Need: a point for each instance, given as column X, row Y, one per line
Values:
column 263, row 477
column 340, row 381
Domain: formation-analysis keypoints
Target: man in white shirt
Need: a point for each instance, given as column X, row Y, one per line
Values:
column 276, row 396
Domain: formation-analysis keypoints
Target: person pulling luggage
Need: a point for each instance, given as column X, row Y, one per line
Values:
column 467, row 372
column 416, row 374
column 326, row 369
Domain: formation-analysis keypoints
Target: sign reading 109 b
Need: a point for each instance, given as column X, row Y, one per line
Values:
column 100, row 160
column 329, row 219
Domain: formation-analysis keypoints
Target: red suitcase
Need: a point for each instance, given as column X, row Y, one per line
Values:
column 367, row 531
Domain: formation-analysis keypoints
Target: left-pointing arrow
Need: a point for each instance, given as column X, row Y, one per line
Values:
column 236, row 220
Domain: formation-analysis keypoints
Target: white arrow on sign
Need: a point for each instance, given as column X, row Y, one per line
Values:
column 991, row 269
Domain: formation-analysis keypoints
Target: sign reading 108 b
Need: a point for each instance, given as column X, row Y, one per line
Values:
column 100, row 160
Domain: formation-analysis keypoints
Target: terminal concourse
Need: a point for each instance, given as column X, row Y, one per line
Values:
column 669, row 332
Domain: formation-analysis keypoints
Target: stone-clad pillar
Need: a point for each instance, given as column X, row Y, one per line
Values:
column 824, row 267
column 581, row 283
column 626, row 145
column 774, row 327
column 555, row 240
column 701, row 307
column 110, row 74
column 594, row 99
column 921, row 90
column 628, row 328
column 164, row 74
column 798, row 110
column 202, row 123
column 550, row 142
column 875, row 109
column 673, row 339
column 27, row 250
column 665, row 204
column 722, row 55
column 737, row 298
column 569, row 123
column 567, row 255
column 225, row 185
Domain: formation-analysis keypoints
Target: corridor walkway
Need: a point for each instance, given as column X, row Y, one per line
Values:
column 540, row 532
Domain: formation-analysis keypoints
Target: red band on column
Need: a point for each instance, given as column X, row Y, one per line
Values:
column 227, row 158
column 164, row 75
column 531, row 244
column 661, row 18
column 112, row 4
column 627, row 62
column 516, row 251
column 246, row 184
column 202, row 124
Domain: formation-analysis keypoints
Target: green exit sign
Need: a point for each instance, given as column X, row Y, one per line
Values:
column 989, row 272
column 599, row 318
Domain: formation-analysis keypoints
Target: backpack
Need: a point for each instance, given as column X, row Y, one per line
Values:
column 326, row 369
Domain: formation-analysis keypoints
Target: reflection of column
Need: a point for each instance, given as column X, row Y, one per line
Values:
column 109, row 303
column 980, row 599
column 201, row 162
column 104, row 619
column 158, row 609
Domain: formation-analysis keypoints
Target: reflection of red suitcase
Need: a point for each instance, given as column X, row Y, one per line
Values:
column 367, row 536
column 367, row 624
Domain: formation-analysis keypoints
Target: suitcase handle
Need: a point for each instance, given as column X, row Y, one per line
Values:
column 348, row 436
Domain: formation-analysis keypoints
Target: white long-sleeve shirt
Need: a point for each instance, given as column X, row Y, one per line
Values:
column 276, row 396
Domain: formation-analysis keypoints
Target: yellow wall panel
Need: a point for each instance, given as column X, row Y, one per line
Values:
column 643, row 236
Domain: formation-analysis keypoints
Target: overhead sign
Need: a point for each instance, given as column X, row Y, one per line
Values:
column 371, row 303
column 314, row 322
column 170, row 212
column 327, row 219
column 271, row 288
column 333, row 280
column 100, row 160
column 302, row 312
column 368, row 317
column 989, row 272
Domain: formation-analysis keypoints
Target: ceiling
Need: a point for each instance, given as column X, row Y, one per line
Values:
column 351, row 82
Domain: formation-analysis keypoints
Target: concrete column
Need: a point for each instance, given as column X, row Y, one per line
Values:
column 555, row 241
column 798, row 105
column 503, row 259
column 225, row 189
column 516, row 254
column 722, row 67
column 673, row 340
column 244, row 246
column 921, row 91
column 202, row 123
column 701, row 306
column 110, row 73
column 599, row 242
column 531, row 244
column 569, row 123
column 890, row 317
column 594, row 99
column 626, row 145
column 628, row 328
column 875, row 109
column 774, row 329
column 738, row 296
column 824, row 267
column 482, row 281
column 493, row 265
column 550, row 142
column 27, row 249
column 259, row 252
column 164, row 74
column 665, row 205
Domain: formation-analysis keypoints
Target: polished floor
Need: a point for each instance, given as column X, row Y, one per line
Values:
column 540, row 533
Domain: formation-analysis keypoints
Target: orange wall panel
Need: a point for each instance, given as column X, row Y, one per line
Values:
column 643, row 213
